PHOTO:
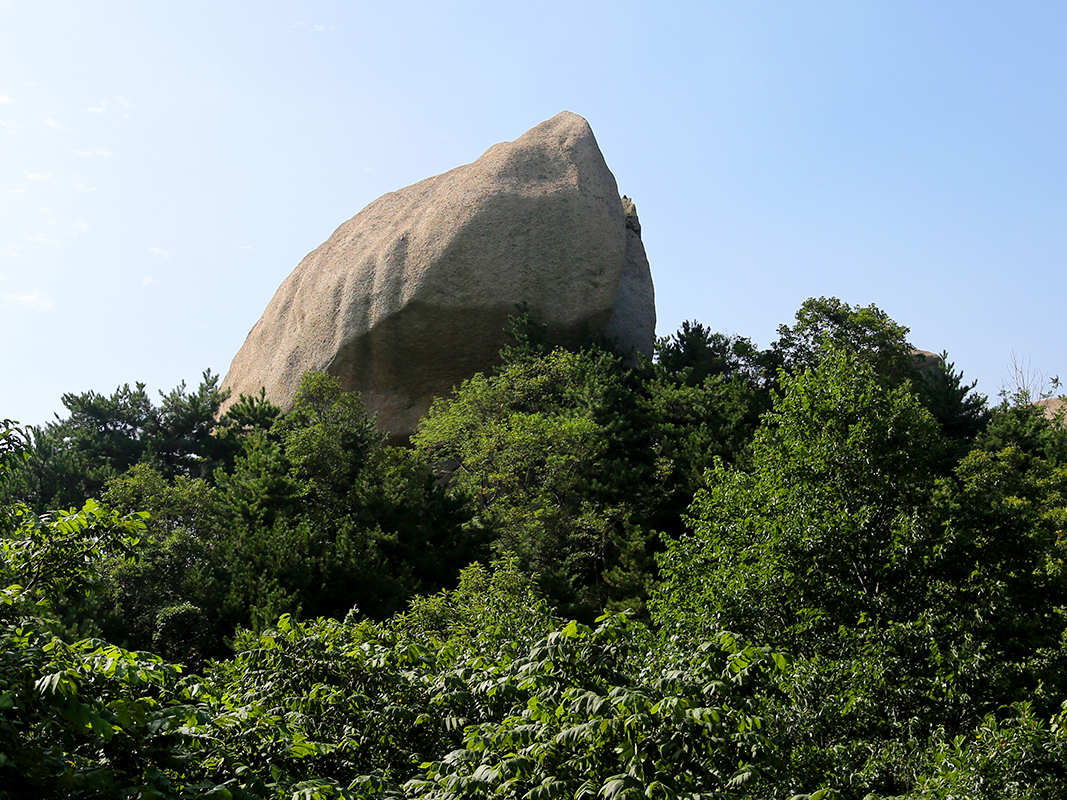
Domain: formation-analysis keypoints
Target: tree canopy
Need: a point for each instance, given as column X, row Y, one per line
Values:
column 827, row 569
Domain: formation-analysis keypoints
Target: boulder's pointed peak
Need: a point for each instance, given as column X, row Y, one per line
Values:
column 569, row 120
column 565, row 125
column 566, row 133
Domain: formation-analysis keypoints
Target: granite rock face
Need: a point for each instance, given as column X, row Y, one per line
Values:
column 412, row 295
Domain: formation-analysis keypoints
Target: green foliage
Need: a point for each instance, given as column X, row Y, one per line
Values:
column 47, row 558
column 548, row 454
column 962, row 413
column 329, row 709
column 311, row 517
column 701, row 402
column 248, row 413
column 14, row 444
column 529, row 336
column 91, row 720
column 573, row 713
column 493, row 612
column 573, row 461
column 823, row 529
column 998, row 587
column 178, row 564
column 902, row 543
column 694, row 353
column 574, row 722
column 182, row 504
column 1020, row 423
column 259, row 487
column 83, row 719
column 327, row 439
column 73, row 458
column 691, row 427
column 914, row 605
column 867, row 333
column 1009, row 756
column 827, row 324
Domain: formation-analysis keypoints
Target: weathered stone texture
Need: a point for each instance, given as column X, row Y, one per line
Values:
column 412, row 295
column 633, row 319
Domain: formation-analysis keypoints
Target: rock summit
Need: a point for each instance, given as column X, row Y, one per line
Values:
column 412, row 295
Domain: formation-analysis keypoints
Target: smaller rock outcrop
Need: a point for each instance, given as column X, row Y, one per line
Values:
column 1054, row 408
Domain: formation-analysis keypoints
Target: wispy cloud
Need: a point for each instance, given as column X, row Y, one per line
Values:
column 159, row 251
column 35, row 300
column 52, row 122
column 97, row 152
column 314, row 28
column 81, row 187
column 5, row 99
column 80, row 226
column 122, row 101
column 38, row 176
column 244, row 247
column 8, row 123
column 98, row 109
column 147, row 280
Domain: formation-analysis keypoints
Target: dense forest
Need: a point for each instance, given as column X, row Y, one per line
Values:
column 825, row 569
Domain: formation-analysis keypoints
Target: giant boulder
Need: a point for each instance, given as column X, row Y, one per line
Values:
column 412, row 295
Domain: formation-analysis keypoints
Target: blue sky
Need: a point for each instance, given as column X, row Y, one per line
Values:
column 163, row 167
